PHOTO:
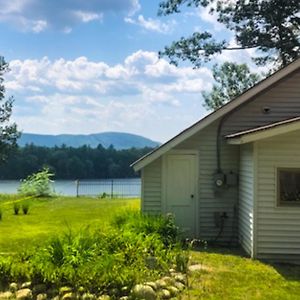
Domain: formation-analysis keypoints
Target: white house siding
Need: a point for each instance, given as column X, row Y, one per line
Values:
column 282, row 100
column 151, row 188
column 278, row 228
column 211, row 202
column 246, row 194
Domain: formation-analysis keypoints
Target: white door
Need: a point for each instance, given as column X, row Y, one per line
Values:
column 180, row 192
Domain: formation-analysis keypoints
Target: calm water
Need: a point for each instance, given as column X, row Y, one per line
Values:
column 119, row 187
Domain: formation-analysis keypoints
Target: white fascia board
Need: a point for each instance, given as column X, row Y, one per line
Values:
column 264, row 134
column 258, row 88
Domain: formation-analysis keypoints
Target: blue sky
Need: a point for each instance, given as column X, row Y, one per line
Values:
column 81, row 66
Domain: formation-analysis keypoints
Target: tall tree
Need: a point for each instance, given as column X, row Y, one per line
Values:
column 231, row 80
column 272, row 27
column 8, row 130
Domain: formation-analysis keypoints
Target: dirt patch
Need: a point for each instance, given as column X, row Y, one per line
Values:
column 200, row 267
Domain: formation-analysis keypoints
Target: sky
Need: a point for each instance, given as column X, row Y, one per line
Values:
column 89, row 66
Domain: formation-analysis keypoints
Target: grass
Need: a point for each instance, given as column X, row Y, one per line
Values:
column 231, row 276
column 225, row 274
column 50, row 216
column 119, row 249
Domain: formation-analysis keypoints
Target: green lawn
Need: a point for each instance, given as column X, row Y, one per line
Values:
column 50, row 216
column 224, row 274
column 232, row 276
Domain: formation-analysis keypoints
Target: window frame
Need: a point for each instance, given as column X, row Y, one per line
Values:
column 282, row 203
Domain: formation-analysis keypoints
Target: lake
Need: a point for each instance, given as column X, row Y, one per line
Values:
column 125, row 188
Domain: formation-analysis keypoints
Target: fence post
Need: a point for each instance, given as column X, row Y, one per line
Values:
column 77, row 188
column 112, row 189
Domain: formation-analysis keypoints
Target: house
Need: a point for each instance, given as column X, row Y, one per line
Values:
column 234, row 176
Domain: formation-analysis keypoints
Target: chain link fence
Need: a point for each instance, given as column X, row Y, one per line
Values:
column 109, row 188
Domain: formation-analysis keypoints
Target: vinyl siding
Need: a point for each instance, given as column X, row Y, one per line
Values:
column 151, row 188
column 210, row 201
column 278, row 227
column 246, row 196
column 282, row 99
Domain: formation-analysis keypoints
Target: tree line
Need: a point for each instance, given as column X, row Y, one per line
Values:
column 72, row 163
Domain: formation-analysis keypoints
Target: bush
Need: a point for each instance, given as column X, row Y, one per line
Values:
column 37, row 184
column 104, row 196
column 25, row 208
column 100, row 260
column 103, row 261
column 13, row 269
column 16, row 208
column 163, row 226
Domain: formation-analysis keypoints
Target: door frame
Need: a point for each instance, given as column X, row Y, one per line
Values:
column 164, row 186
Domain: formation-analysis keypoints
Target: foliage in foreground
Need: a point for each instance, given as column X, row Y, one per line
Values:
column 270, row 27
column 37, row 184
column 133, row 249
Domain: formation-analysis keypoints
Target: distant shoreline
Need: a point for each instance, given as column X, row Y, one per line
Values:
column 125, row 187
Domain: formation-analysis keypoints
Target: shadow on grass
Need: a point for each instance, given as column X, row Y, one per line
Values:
column 290, row 272
column 221, row 249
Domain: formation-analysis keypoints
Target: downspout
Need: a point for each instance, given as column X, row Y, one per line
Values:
column 220, row 172
column 219, row 138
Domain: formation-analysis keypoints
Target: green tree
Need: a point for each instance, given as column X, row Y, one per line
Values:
column 272, row 27
column 231, row 80
column 8, row 130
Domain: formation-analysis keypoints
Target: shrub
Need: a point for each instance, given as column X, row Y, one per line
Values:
column 163, row 226
column 102, row 261
column 13, row 269
column 0, row 214
column 104, row 195
column 16, row 208
column 25, row 208
column 37, row 184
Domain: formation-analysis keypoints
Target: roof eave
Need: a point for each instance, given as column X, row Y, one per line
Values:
column 264, row 134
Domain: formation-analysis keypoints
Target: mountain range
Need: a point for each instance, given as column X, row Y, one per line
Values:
column 119, row 140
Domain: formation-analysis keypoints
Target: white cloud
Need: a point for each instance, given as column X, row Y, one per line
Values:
column 159, row 96
column 11, row 7
column 84, row 76
column 152, row 24
column 86, row 17
column 117, row 72
column 160, row 68
column 212, row 19
column 38, row 26
column 243, row 56
column 137, row 62
column 135, row 7
column 39, row 15
column 83, row 96
column 189, row 86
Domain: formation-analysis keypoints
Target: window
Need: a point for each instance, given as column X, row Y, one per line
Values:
column 288, row 186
